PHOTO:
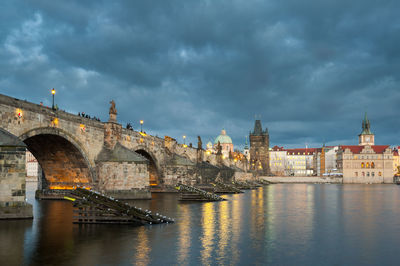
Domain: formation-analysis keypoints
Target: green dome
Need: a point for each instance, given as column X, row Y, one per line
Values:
column 223, row 138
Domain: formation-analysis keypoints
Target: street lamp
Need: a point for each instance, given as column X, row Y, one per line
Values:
column 53, row 91
column 184, row 137
column 141, row 123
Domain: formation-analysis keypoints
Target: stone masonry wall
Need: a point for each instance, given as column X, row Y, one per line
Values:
column 12, row 174
column 12, row 184
column 242, row 176
column 180, row 174
column 122, row 176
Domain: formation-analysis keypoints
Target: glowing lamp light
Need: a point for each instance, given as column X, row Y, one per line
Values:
column 208, row 152
column 19, row 113
column 141, row 125
column 53, row 91
column 82, row 127
column 143, row 134
column 55, row 121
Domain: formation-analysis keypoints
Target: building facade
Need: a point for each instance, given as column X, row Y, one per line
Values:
column 299, row 162
column 278, row 161
column 366, row 162
column 325, row 161
column 246, row 151
column 32, row 166
column 259, row 149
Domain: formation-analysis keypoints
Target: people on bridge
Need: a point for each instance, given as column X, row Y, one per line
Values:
column 88, row 116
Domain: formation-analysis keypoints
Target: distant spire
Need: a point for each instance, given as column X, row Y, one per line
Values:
column 366, row 126
column 257, row 128
column 246, row 145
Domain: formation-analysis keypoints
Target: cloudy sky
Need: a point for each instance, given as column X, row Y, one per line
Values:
column 308, row 69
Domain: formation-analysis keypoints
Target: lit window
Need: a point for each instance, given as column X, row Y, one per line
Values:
column 362, row 165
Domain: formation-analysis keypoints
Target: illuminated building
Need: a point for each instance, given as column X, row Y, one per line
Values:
column 366, row 162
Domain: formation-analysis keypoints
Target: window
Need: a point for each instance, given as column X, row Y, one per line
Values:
column 380, row 173
column 372, row 165
column 373, row 173
column 356, row 173
column 363, row 174
column 362, row 165
column 367, row 173
column 367, row 165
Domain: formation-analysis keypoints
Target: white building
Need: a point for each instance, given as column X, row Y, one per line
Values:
column 278, row 161
column 32, row 166
column 246, row 151
column 325, row 161
column 300, row 161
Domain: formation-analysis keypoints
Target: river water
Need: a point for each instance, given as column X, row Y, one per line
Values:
column 280, row 224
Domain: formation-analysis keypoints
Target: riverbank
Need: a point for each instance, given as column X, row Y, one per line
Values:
column 303, row 179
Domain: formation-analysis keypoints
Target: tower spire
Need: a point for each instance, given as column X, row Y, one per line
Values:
column 366, row 126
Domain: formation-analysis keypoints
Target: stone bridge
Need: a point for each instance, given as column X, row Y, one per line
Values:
column 75, row 150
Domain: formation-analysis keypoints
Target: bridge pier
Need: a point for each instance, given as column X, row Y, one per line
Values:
column 12, row 178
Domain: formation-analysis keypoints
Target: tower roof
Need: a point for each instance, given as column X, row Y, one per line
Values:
column 366, row 126
column 258, row 129
column 246, row 146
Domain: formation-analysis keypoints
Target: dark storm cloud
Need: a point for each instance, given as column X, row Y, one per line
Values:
column 310, row 69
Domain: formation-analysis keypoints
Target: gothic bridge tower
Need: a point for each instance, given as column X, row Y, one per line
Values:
column 259, row 149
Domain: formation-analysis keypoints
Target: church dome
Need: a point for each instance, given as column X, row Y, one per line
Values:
column 223, row 138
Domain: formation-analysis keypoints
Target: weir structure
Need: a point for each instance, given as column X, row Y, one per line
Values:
column 123, row 163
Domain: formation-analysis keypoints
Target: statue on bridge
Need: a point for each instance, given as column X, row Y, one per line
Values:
column 199, row 143
column 113, row 112
column 219, row 148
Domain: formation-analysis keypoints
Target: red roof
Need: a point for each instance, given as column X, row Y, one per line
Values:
column 277, row 148
column 356, row 149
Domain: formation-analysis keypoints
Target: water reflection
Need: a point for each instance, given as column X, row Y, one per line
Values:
column 184, row 236
column 224, row 232
column 236, row 226
column 142, row 248
column 207, row 239
column 294, row 224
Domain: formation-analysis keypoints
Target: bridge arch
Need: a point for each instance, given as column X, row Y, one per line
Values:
column 153, row 168
column 62, row 157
